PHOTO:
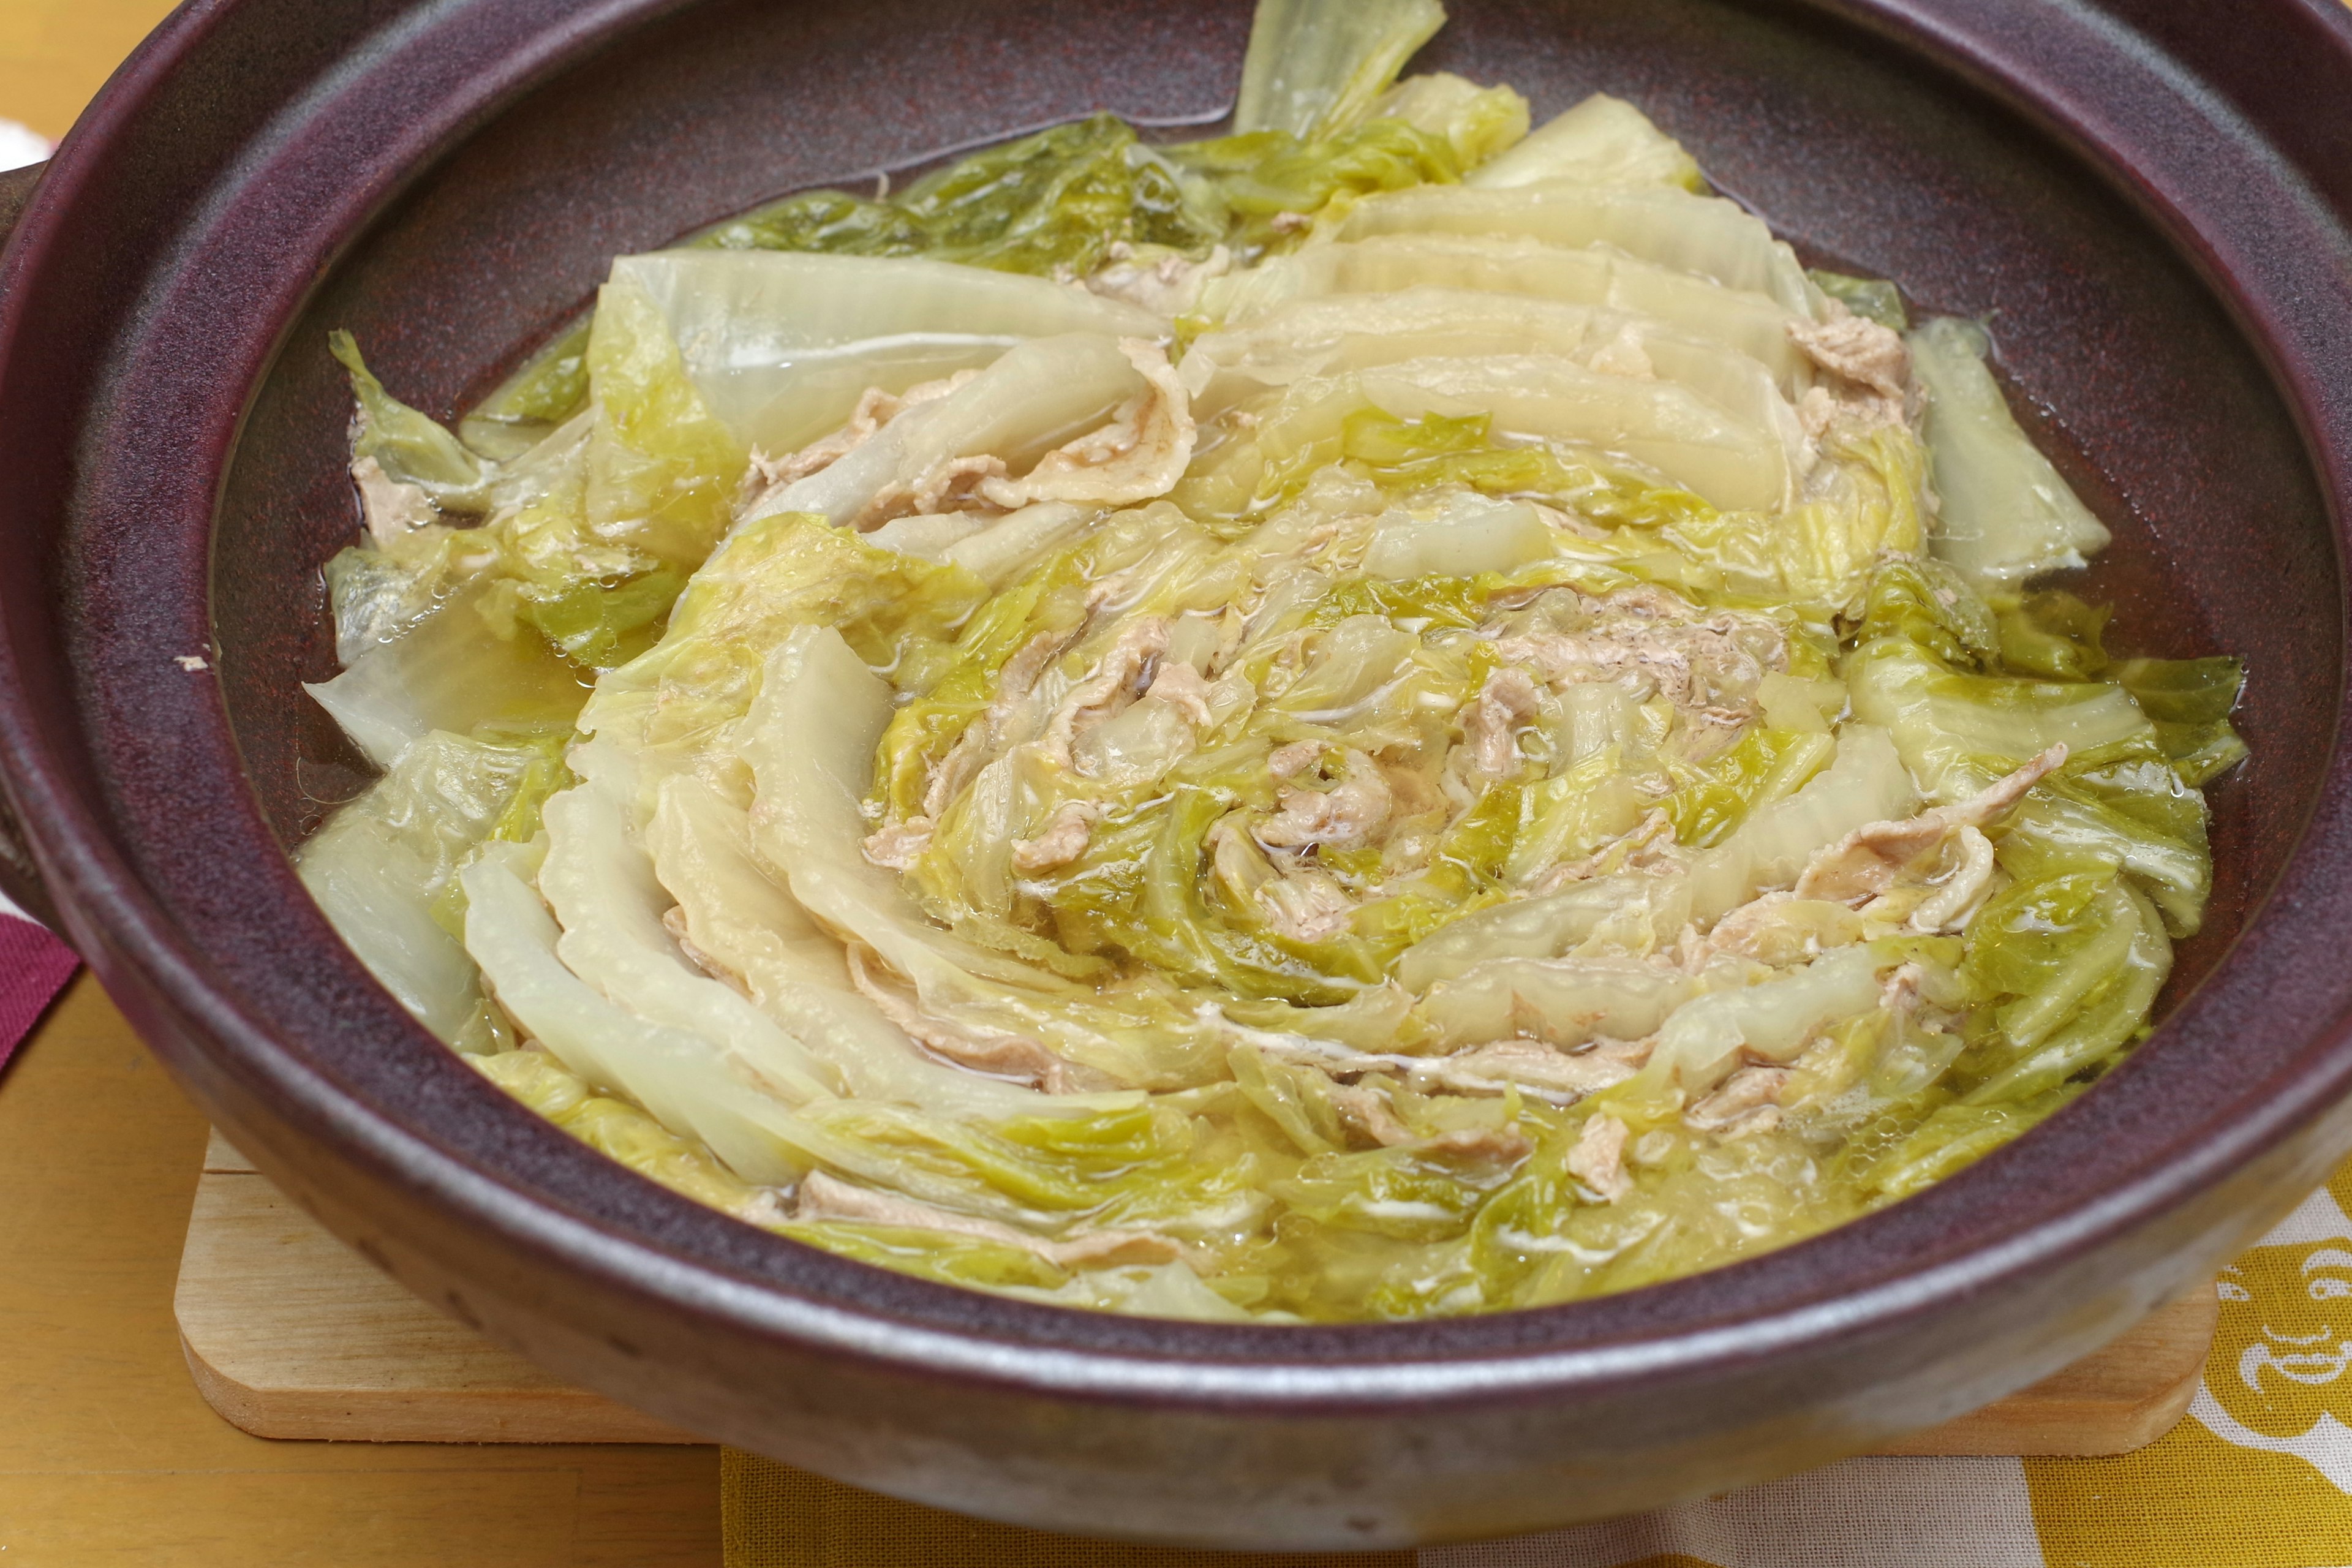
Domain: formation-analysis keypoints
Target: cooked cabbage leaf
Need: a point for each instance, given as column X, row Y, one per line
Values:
column 1705, row 235
column 1313, row 68
column 781, row 347
column 1258, row 731
column 384, row 870
column 1055, row 202
column 1602, row 140
column 2007, row 516
column 1478, row 122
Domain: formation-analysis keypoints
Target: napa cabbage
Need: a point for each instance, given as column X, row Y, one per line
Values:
column 1516, row 266
column 1377, row 716
column 1479, row 123
column 1315, row 69
column 2008, row 515
column 781, row 347
column 1602, row 140
column 2117, row 801
column 498, row 628
column 384, row 870
column 1704, row 236
column 1057, row 200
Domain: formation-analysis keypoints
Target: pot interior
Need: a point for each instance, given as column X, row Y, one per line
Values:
column 2124, row 360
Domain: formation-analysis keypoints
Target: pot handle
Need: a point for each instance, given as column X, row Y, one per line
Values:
column 20, row 878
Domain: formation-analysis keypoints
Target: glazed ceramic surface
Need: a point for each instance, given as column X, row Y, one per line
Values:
column 2149, row 200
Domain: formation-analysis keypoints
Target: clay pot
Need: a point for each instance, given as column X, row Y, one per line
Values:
column 2150, row 200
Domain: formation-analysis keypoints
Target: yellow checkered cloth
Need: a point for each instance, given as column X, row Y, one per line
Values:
column 2258, row 1476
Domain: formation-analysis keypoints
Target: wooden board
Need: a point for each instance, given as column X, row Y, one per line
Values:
column 290, row 1335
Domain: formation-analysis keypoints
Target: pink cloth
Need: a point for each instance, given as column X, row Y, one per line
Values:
column 33, row 967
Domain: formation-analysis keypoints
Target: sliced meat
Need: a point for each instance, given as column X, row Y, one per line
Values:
column 1489, row 728
column 1856, row 348
column 1288, row 760
column 1137, row 456
column 963, row 761
column 1821, row 410
column 1536, row 1070
column 674, row 922
column 1781, row 927
column 1963, row 892
column 1647, row 600
column 1599, row 1158
column 1306, row 905
column 945, row 486
column 1344, row 817
column 1165, row 285
column 1182, row 687
column 1748, row 1102
column 1697, row 664
column 1297, row 902
column 1647, row 845
column 875, row 408
column 1866, row 861
column 1899, row 992
column 1560, row 1077
column 1488, row 1151
column 1116, row 681
column 1366, row 1110
column 990, row 1052
column 898, row 845
column 1064, row 839
column 393, row 509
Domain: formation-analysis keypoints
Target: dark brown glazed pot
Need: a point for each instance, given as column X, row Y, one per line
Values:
column 2149, row 198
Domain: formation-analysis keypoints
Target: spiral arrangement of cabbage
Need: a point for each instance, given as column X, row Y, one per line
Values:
column 1384, row 715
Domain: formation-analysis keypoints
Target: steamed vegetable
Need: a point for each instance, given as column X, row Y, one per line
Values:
column 1055, row 202
column 1602, row 140
column 1323, row 120
column 781, row 347
column 2007, row 515
column 1384, row 715
column 385, row 868
column 588, row 539
column 1313, row 68
column 1704, row 236
column 1517, row 267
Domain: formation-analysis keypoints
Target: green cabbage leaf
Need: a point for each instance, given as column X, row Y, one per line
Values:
column 2008, row 515
column 1704, row 235
column 1313, row 68
column 1379, row 716
column 1515, row 266
column 384, row 870
column 781, row 347
column 1602, row 140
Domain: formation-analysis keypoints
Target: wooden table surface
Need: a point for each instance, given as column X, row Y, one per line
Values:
column 106, row 1454
column 55, row 54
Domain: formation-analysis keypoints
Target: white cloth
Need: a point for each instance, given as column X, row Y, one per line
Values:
column 1862, row 1513
column 21, row 144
